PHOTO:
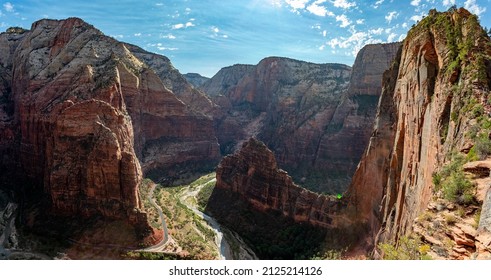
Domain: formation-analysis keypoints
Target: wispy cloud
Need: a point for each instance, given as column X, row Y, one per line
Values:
column 345, row 22
column 473, row 7
column 377, row 4
column 137, row 34
column 353, row 43
column 318, row 10
column 9, row 7
column 168, row 36
column 297, row 4
column 391, row 37
column 391, row 15
column 344, row 4
column 417, row 18
column 183, row 25
column 360, row 21
column 448, row 3
column 415, row 3
column 377, row 31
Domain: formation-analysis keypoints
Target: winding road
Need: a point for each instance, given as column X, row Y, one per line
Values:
column 159, row 247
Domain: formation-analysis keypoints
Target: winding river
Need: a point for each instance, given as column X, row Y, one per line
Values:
column 222, row 241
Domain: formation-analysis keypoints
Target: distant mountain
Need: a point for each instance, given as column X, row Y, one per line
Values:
column 195, row 79
column 304, row 112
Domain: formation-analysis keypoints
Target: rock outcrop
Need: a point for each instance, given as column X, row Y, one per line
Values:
column 196, row 79
column 253, row 174
column 285, row 103
column 304, row 112
column 433, row 99
column 82, row 116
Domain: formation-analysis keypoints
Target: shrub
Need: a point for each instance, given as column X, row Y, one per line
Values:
column 451, row 179
column 482, row 146
column 408, row 248
column 450, row 219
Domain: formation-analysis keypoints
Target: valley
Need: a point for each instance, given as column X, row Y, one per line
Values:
column 108, row 152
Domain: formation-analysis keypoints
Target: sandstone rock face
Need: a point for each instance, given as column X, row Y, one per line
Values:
column 304, row 112
column 75, row 136
column 196, row 79
column 286, row 103
column 79, row 112
column 174, row 81
column 421, row 120
column 253, row 174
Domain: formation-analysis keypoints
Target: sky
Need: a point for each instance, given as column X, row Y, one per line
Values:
column 202, row 36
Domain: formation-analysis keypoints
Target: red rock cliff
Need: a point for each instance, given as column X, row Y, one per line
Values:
column 80, row 112
column 432, row 97
column 253, row 174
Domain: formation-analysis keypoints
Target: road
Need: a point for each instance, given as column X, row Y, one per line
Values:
column 159, row 247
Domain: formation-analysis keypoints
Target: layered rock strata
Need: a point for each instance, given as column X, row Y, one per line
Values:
column 254, row 176
column 432, row 100
column 304, row 112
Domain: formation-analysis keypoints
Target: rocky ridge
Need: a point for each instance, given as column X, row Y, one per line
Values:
column 83, row 116
column 433, row 101
column 304, row 112
column 196, row 79
column 283, row 102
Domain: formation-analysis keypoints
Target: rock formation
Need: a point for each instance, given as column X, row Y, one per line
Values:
column 79, row 112
column 304, row 112
column 286, row 103
column 253, row 174
column 196, row 79
column 434, row 97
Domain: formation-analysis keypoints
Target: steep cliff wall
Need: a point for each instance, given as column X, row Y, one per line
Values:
column 304, row 112
column 433, row 100
column 253, row 174
column 278, row 218
column 286, row 103
column 79, row 112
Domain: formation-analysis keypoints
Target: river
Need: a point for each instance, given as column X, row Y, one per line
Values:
column 229, row 244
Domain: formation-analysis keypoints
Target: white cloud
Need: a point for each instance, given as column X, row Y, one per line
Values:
column 473, row 7
column 415, row 3
column 297, row 4
column 404, row 25
column 324, row 33
column 402, row 37
column 391, row 15
column 9, row 7
column 377, row 31
column 360, row 21
column 167, row 49
column 225, row 36
column 168, row 36
column 345, row 22
column 448, row 3
column 178, row 26
column 355, row 42
column 344, row 4
column 391, row 37
column 183, row 25
column 377, row 4
column 137, row 34
column 321, row 48
column 159, row 4
column 215, row 29
column 317, row 10
column 417, row 18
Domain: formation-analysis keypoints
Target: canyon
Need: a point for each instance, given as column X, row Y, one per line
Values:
column 432, row 117
column 303, row 112
column 312, row 157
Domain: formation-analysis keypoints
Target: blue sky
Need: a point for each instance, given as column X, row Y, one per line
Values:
column 205, row 35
